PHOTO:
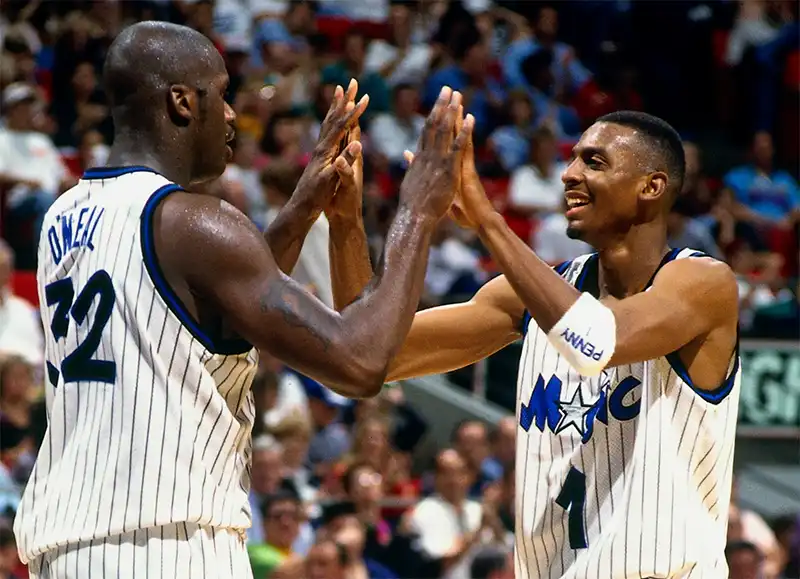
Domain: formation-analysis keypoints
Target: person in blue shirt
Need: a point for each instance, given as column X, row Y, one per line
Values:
column 764, row 196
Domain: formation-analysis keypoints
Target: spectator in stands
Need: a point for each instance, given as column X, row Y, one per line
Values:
column 283, row 138
column 20, row 326
column 399, row 59
column 744, row 561
column 81, row 109
column 550, row 240
column 293, row 432
column 351, row 65
column 242, row 170
column 787, row 530
column 282, row 512
column 483, row 95
column 536, row 188
column 764, row 196
column 330, row 440
column 492, row 562
column 31, row 170
column 391, row 134
column 265, row 479
column 290, row 396
column 748, row 526
column 503, row 440
column 313, row 266
column 93, row 150
column 363, row 486
column 453, row 266
column 352, row 537
column 511, row 142
column 9, row 564
column 326, row 560
column 470, row 438
column 448, row 524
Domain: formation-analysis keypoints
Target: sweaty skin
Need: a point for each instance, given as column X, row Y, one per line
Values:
column 691, row 307
column 171, row 116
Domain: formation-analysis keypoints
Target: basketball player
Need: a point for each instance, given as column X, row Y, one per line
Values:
column 628, row 381
column 154, row 300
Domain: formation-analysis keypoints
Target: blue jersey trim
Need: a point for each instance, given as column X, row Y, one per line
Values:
column 712, row 396
column 718, row 394
column 174, row 303
column 113, row 172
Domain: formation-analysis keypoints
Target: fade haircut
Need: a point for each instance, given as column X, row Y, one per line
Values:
column 662, row 141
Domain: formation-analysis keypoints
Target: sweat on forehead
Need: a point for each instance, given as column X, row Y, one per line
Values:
column 152, row 55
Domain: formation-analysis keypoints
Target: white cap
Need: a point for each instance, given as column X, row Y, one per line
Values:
column 18, row 92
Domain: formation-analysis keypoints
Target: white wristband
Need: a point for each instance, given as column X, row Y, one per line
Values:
column 586, row 335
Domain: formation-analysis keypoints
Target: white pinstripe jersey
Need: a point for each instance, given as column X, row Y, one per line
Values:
column 625, row 476
column 149, row 418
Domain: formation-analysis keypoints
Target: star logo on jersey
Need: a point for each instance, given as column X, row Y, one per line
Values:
column 574, row 413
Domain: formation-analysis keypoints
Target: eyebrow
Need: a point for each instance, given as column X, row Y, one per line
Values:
column 576, row 150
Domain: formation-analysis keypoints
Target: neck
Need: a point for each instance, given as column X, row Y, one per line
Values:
column 137, row 149
column 369, row 513
column 627, row 266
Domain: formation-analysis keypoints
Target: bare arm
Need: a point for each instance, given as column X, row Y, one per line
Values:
column 450, row 337
column 319, row 182
column 236, row 273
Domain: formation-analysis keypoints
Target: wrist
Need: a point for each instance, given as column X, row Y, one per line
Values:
column 490, row 223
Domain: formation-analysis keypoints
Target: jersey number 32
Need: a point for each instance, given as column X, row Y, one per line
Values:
column 80, row 365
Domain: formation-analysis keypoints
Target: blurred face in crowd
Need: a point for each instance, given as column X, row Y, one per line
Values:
column 16, row 380
column 373, row 442
column 400, row 23
column 544, row 151
column 351, row 536
column 246, row 151
column 295, row 449
column 366, row 486
column 323, row 562
column 354, row 49
column 406, row 102
column 473, row 444
column 266, row 470
column 521, row 111
column 288, row 132
column 475, row 61
column 547, row 25
column 299, row 17
column 6, row 266
column 744, row 564
column 21, row 116
column 84, row 80
column 505, row 442
column 452, row 477
column 282, row 523
column 763, row 150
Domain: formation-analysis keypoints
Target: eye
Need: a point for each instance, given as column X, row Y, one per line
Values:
column 594, row 163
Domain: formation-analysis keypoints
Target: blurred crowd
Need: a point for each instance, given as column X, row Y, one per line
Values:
column 336, row 492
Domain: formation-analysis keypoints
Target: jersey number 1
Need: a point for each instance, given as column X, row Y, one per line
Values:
column 80, row 365
column 572, row 498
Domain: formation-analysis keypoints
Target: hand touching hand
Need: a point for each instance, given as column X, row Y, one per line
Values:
column 321, row 178
column 434, row 177
column 347, row 200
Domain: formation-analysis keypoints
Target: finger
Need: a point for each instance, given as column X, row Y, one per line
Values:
column 352, row 90
column 459, row 120
column 344, row 168
column 431, row 123
column 408, row 156
column 462, row 139
column 351, row 153
column 444, row 132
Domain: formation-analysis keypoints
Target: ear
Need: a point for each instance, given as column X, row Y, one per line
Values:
column 182, row 103
column 655, row 187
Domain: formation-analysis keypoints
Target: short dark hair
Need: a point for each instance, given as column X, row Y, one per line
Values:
column 662, row 139
column 280, row 496
column 734, row 547
column 487, row 561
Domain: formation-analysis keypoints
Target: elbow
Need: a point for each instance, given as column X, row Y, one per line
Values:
column 362, row 376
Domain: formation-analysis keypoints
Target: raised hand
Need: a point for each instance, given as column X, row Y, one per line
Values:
column 432, row 180
column 347, row 200
column 320, row 179
column 470, row 207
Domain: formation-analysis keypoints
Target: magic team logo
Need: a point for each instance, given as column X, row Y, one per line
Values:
column 547, row 408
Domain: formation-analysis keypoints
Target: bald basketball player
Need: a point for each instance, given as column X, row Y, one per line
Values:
column 628, row 383
column 156, row 300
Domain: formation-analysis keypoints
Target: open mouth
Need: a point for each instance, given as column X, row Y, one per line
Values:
column 576, row 200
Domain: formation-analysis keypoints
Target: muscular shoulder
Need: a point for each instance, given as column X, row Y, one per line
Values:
column 203, row 236
column 703, row 281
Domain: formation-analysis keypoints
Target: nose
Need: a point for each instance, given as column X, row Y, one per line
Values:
column 230, row 115
column 572, row 174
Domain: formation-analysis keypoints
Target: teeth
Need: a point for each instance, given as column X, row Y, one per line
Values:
column 576, row 203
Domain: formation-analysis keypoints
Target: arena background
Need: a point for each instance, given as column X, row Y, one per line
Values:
column 726, row 74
